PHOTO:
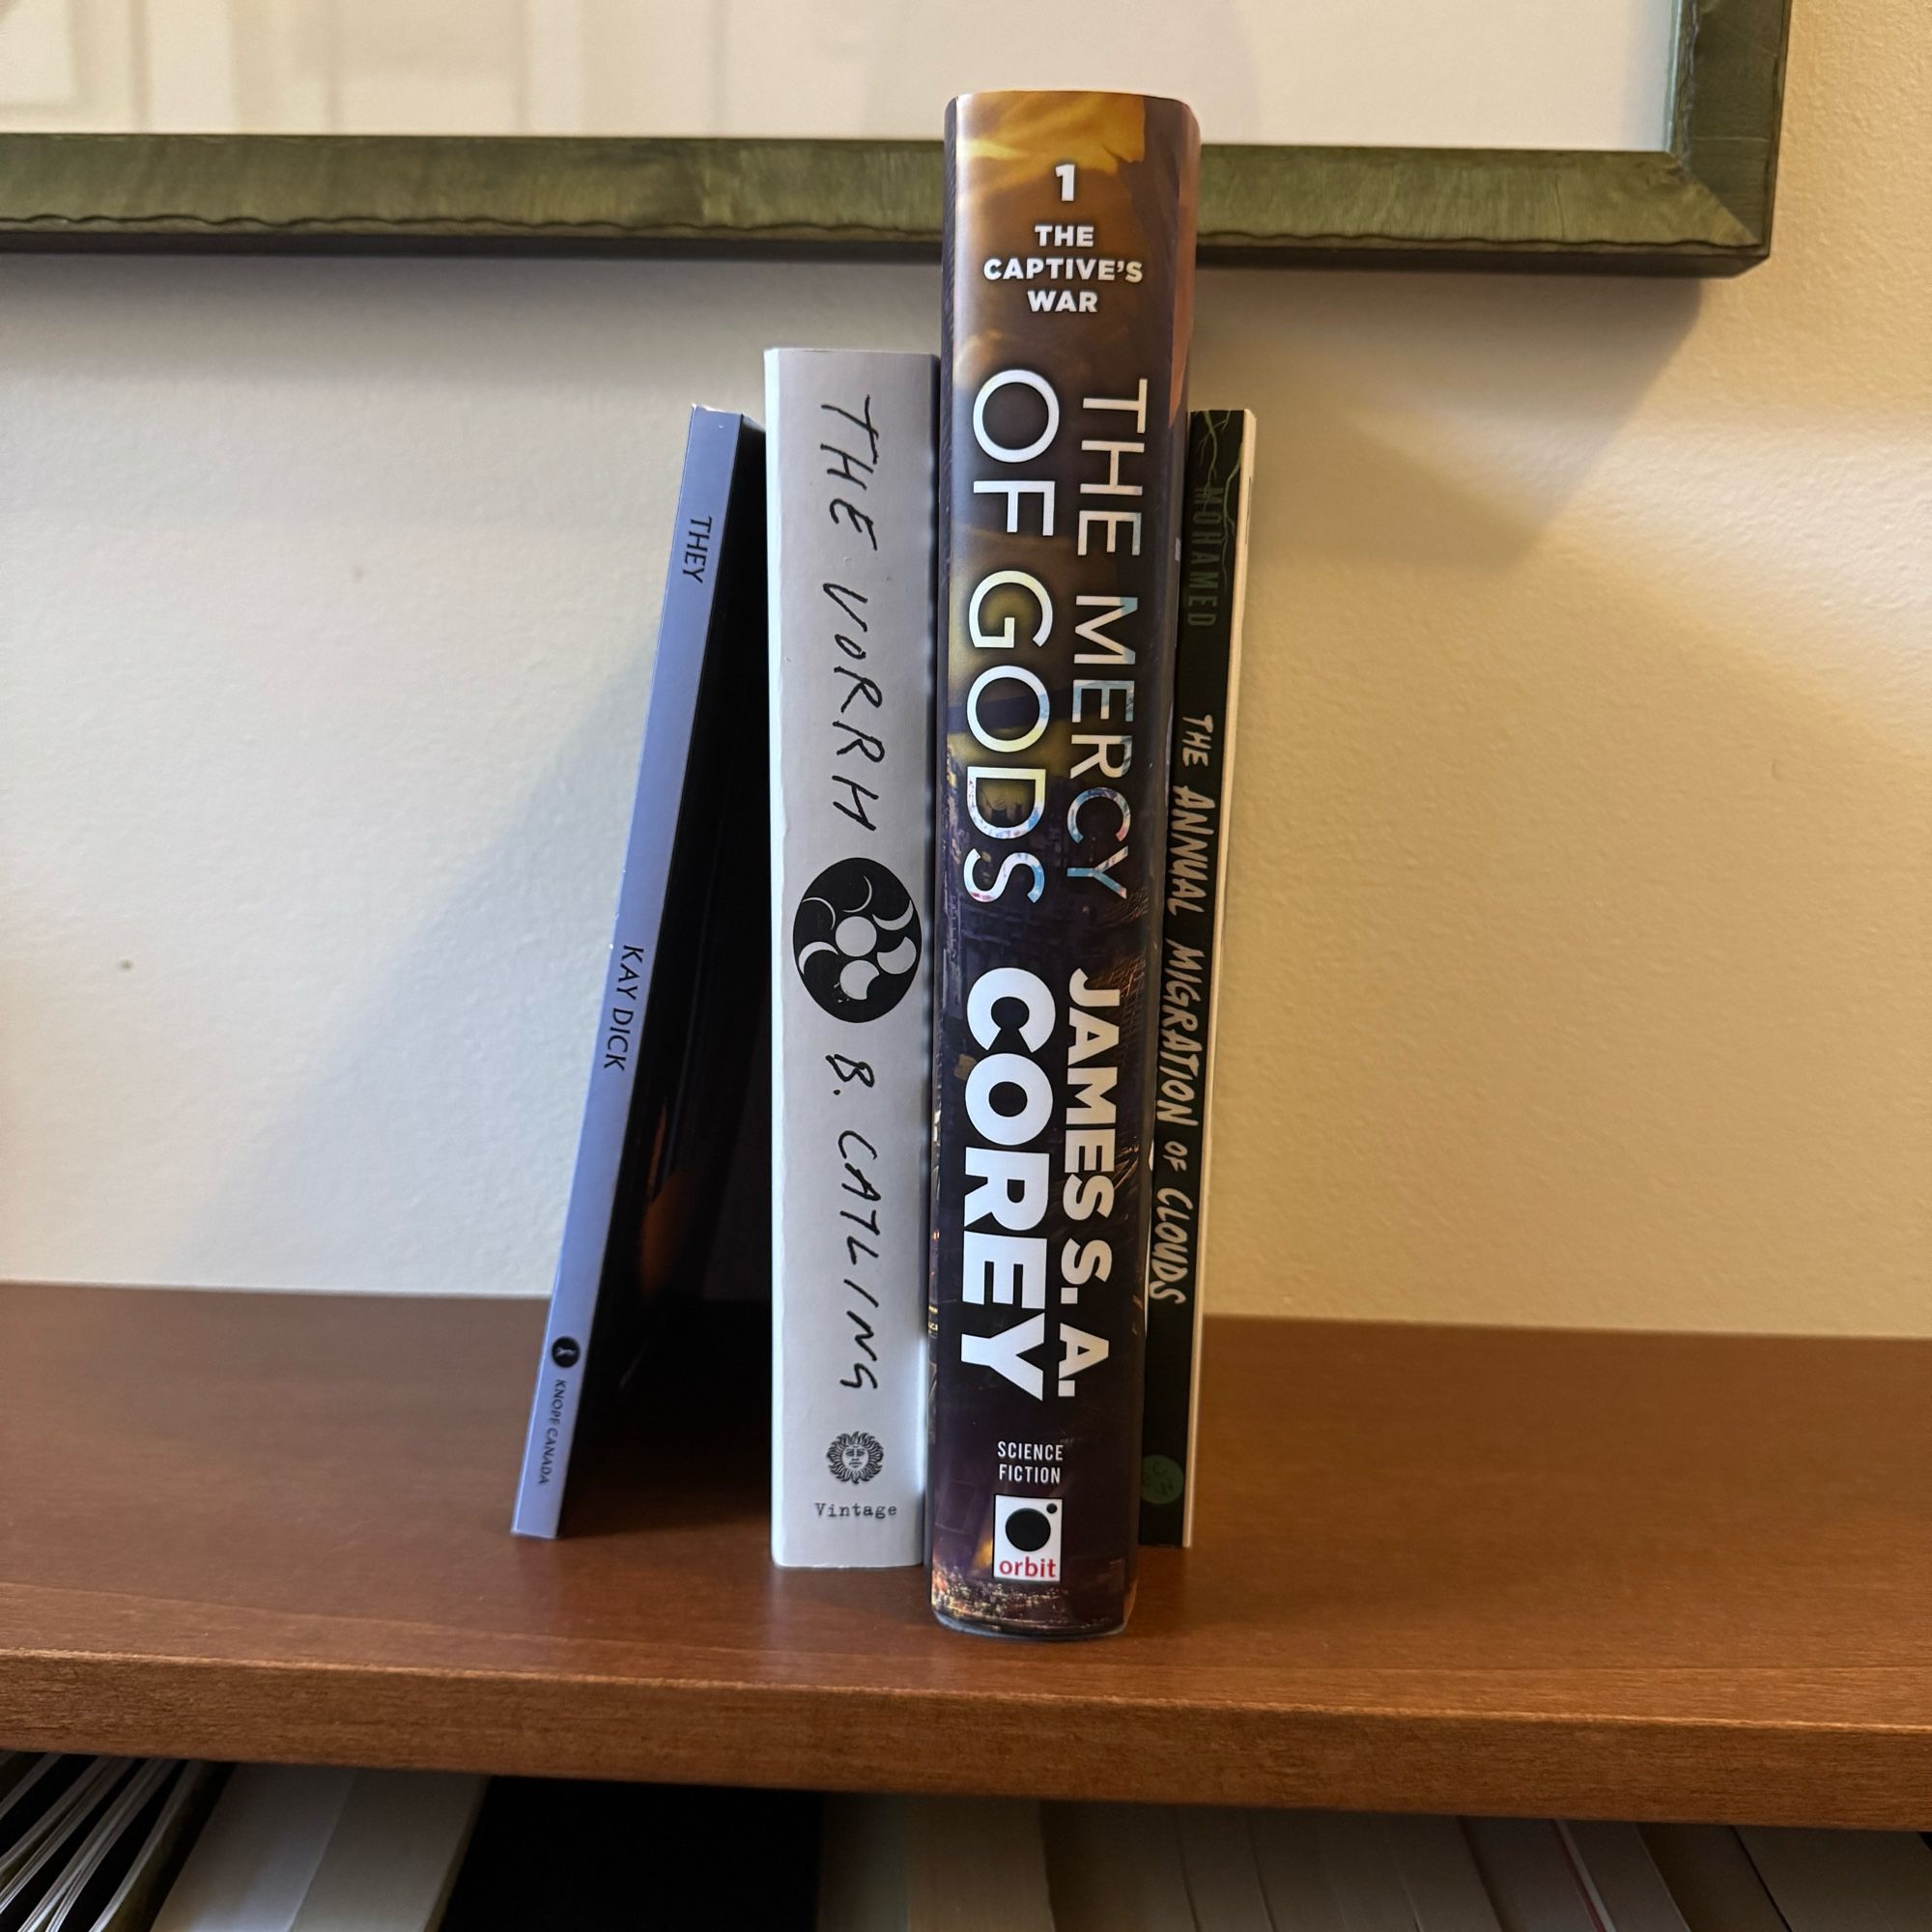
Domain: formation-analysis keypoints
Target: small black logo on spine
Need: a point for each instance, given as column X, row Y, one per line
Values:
column 855, row 940
column 1028, row 1530
column 564, row 1352
column 856, row 1458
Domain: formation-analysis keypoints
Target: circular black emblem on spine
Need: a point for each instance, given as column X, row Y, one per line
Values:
column 1161, row 1480
column 1028, row 1530
column 856, row 1458
column 855, row 940
column 564, row 1352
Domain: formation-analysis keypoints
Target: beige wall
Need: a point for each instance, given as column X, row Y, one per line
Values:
column 1581, row 963
column 1377, row 72
column 1579, row 943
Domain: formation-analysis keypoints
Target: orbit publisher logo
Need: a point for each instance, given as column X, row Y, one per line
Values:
column 1026, row 1539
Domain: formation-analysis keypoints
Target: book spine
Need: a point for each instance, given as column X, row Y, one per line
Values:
column 1068, row 292
column 684, row 626
column 850, row 454
column 1207, row 686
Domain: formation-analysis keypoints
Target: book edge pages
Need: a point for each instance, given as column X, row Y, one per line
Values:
column 1364, row 1872
column 402, row 1834
column 1529, row 1871
column 1707, row 1869
column 1621, row 1877
column 862, row 1884
column 1224, row 1880
column 1439, row 1872
column 114, row 1818
column 17, row 1794
column 1115, row 1867
column 89, row 1797
column 974, row 1863
column 1294, row 1880
column 141, row 1892
column 1804, row 1871
column 253, row 1815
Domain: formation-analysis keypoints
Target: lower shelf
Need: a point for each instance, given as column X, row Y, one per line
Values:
column 1446, row 1570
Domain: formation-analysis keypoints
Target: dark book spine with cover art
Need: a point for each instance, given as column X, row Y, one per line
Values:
column 1207, row 687
column 1069, row 297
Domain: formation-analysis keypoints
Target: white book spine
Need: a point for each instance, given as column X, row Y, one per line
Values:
column 850, row 469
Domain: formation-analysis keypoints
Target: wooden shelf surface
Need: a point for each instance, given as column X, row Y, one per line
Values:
column 1491, row 1571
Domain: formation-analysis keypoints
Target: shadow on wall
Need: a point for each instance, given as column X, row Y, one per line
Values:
column 1374, row 387
column 1577, row 940
column 351, row 568
column 368, row 1144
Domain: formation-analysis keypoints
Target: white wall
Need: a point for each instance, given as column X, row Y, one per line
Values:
column 1582, row 904
column 1505, row 73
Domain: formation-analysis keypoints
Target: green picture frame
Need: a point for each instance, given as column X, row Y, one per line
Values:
column 1700, row 206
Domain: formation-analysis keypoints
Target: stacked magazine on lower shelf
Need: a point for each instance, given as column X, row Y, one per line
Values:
column 101, row 1844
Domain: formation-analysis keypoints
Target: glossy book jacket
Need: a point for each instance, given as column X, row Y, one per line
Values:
column 1069, row 293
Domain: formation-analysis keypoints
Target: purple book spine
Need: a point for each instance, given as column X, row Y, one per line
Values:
column 684, row 627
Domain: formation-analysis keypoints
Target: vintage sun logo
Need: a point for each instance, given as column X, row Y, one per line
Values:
column 856, row 1458
column 856, row 940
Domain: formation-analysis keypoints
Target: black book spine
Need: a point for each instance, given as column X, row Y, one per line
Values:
column 1069, row 297
column 1205, row 684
